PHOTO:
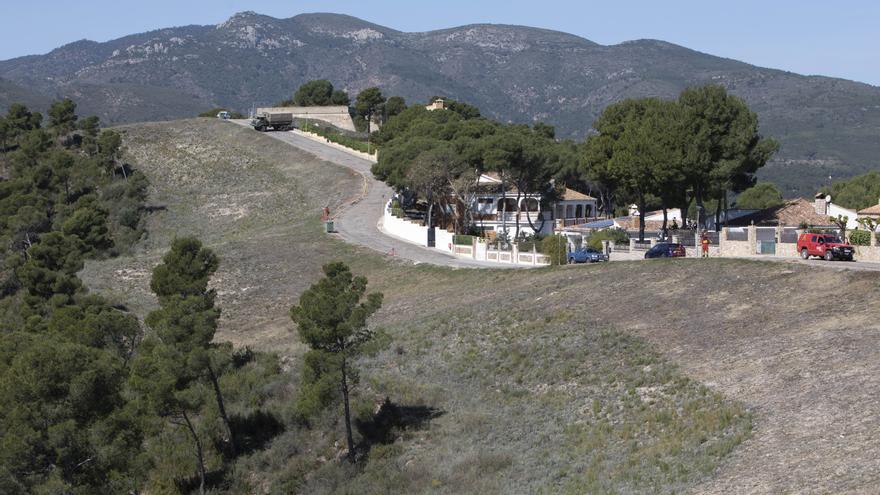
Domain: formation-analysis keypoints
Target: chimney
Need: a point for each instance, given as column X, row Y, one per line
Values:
column 821, row 205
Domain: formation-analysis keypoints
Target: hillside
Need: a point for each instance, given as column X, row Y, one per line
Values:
column 827, row 126
column 584, row 379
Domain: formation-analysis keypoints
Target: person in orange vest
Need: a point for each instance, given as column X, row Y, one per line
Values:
column 705, row 243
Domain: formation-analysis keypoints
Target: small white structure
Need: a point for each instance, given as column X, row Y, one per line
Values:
column 825, row 207
column 438, row 104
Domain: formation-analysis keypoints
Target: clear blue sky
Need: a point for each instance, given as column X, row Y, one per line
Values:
column 839, row 39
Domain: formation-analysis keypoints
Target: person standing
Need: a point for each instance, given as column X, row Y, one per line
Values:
column 704, row 242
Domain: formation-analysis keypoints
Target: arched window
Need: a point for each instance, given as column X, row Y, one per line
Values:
column 578, row 211
column 510, row 202
column 529, row 204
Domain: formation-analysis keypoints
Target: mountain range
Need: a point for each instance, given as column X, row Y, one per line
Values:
column 827, row 126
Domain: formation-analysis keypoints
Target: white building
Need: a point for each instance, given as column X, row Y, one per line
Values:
column 825, row 207
column 494, row 211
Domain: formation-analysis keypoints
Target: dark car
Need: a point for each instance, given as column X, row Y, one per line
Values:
column 666, row 250
column 586, row 255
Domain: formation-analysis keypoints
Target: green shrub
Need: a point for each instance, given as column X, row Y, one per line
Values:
column 397, row 212
column 860, row 238
column 462, row 240
column 618, row 236
column 529, row 243
column 335, row 137
column 556, row 247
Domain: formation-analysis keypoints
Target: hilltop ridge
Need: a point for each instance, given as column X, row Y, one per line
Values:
column 827, row 126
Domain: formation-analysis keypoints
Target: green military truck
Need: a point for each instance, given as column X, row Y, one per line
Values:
column 276, row 121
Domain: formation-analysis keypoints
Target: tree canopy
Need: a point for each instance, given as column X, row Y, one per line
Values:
column 761, row 195
column 369, row 103
column 318, row 93
column 857, row 193
column 332, row 320
column 704, row 145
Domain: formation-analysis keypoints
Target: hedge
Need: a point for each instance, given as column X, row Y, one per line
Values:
column 556, row 247
column 348, row 142
column 463, row 240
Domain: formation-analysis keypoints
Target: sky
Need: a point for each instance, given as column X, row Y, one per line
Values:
column 839, row 39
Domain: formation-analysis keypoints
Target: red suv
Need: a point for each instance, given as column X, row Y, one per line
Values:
column 827, row 246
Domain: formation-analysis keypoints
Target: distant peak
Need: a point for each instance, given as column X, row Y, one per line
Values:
column 246, row 17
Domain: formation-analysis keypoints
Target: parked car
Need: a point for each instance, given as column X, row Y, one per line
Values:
column 224, row 115
column 586, row 255
column 827, row 246
column 666, row 250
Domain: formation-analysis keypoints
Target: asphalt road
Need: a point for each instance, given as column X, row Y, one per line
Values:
column 358, row 222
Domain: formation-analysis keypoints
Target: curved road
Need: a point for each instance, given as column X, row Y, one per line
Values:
column 360, row 221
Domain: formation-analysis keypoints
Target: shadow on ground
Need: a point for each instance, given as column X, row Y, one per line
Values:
column 391, row 418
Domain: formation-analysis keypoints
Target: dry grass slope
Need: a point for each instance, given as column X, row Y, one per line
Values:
column 592, row 379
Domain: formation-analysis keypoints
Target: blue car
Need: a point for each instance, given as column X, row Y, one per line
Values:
column 586, row 255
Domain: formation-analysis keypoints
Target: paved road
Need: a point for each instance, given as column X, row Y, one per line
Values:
column 359, row 222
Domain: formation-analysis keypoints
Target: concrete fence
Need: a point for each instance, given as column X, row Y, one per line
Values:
column 415, row 233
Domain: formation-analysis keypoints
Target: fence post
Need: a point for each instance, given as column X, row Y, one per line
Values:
column 753, row 237
column 514, row 254
column 721, row 238
column 474, row 247
column 632, row 244
column 873, row 241
column 778, row 248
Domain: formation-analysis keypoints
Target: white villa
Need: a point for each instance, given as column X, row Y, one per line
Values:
column 493, row 211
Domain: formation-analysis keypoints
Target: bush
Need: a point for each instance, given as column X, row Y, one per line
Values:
column 618, row 236
column 860, row 238
column 462, row 240
column 529, row 243
column 556, row 247
column 335, row 137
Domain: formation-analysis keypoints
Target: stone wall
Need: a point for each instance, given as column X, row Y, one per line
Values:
column 867, row 253
column 738, row 248
column 336, row 115
column 786, row 249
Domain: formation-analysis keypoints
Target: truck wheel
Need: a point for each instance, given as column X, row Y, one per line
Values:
column 804, row 254
column 829, row 256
